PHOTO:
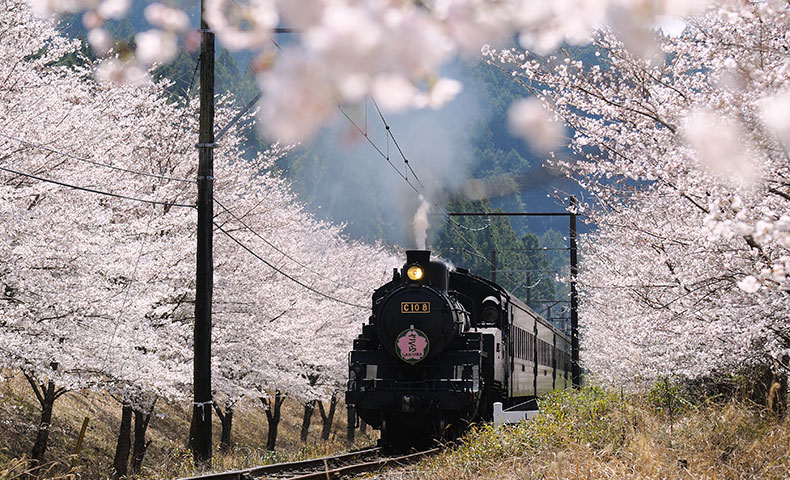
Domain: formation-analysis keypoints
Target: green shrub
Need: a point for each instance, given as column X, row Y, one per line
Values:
column 591, row 416
column 667, row 397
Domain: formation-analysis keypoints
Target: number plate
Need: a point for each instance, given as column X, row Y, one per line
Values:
column 415, row 307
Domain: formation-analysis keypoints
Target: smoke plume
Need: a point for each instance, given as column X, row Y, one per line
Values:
column 421, row 224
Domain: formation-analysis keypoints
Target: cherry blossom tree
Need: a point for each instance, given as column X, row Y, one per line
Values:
column 685, row 155
column 97, row 256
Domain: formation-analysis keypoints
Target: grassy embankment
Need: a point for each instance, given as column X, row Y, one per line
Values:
column 592, row 434
column 595, row 434
column 167, row 456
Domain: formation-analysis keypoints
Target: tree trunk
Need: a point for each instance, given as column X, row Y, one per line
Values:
column 273, row 417
column 351, row 423
column 120, row 463
column 327, row 417
column 363, row 427
column 777, row 395
column 46, row 396
column 226, row 419
column 47, row 401
column 307, row 418
column 140, row 446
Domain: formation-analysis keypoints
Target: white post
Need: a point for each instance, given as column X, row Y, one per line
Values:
column 501, row 416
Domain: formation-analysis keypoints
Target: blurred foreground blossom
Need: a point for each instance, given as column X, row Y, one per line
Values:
column 361, row 47
column 167, row 18
column 775, row 112
column 529, row 119
column 119, row 71
column 242, row 25
column 156, row 46
column 721, row 145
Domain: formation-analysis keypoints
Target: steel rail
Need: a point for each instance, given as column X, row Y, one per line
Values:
column 364, row 467
column 255, row 472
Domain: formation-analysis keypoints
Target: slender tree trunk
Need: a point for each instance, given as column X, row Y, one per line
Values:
column 363, row 427
column 309, row 408
column 351, row 415
column 272, row 407
column 226, row 419
column 777, row 394
column 120, row 463
column 139, row 445
column 327, row 417
column 46, row 396
column 44, row 424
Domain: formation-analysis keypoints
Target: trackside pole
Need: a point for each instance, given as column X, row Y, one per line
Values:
column 575, row 367
column 200, row 431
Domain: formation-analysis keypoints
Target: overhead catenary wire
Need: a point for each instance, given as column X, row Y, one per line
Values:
column 395, row 141
column 92, row 190
column 289, row 277
column 378, row 149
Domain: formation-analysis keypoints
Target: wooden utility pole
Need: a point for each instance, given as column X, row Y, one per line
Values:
column 575, row 367
column 200, row 431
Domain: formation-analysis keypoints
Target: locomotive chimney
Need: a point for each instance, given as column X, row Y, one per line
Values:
column 420, row 257
column 437, row 275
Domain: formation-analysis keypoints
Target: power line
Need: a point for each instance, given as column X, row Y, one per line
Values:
column 289, row 277
column 91, row 190
column 267, row 242
column 364, row 133
column 378, row 149
column 93, row 162
column 471, row 229
column 392, row 135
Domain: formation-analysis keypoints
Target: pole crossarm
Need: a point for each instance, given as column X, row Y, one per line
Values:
column 510, row 214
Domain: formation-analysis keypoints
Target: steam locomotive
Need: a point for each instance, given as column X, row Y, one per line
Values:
column 441, row 346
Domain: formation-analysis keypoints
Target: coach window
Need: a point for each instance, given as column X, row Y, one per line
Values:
column 518, row 339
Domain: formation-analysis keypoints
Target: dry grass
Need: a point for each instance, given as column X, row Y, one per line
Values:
column 596, row 434
column 167, row 457
column 592, row 434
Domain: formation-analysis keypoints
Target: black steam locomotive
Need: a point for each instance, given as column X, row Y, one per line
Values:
column 441, row 347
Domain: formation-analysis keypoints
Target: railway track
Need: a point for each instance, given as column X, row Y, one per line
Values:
column 355, row 463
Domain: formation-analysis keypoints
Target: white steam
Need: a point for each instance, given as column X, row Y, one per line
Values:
column 421, row 224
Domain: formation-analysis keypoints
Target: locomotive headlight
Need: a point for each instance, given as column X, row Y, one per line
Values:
column 490, row 313
column 415, row 273
column 491, row 309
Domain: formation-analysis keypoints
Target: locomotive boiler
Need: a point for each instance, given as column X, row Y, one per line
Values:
column 441, row 346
